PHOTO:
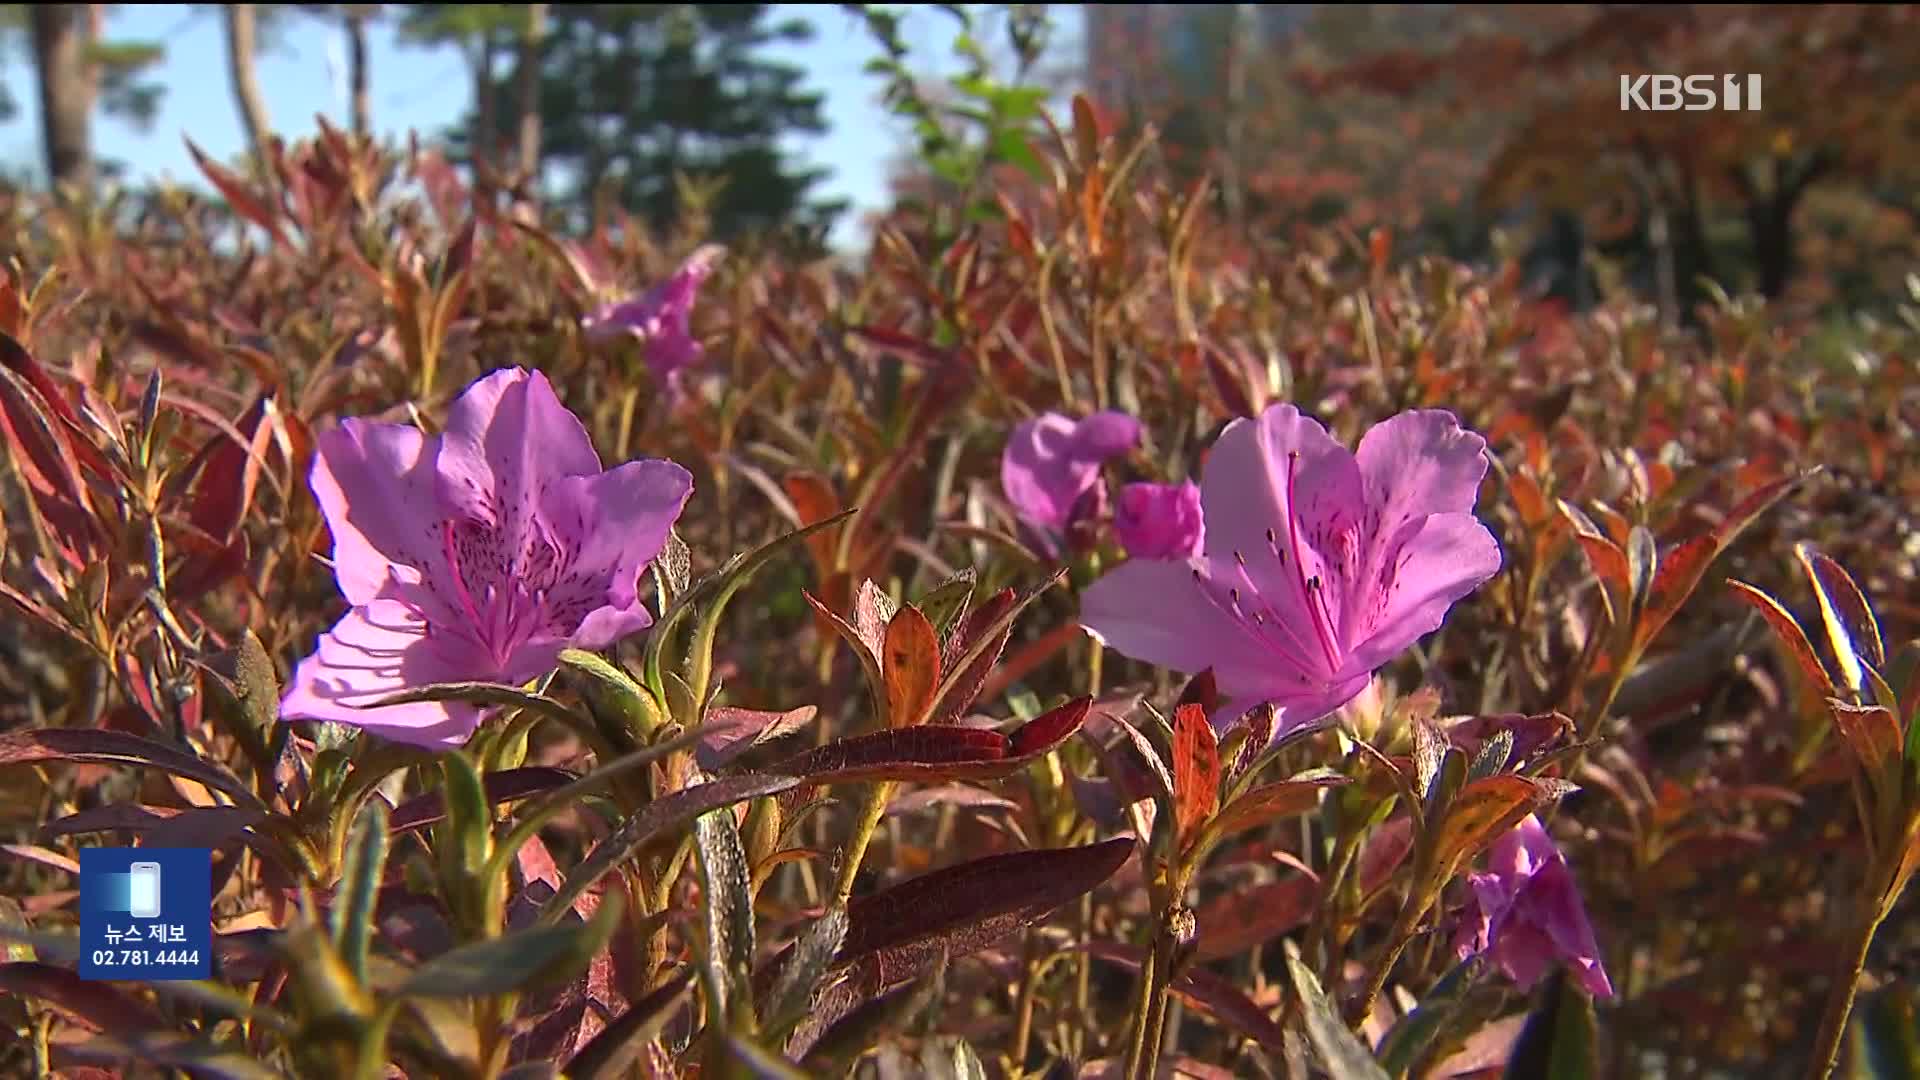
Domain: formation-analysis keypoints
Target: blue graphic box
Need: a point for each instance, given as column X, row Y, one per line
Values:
column 146, row 913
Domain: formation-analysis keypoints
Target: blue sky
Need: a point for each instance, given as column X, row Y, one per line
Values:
column 426, row 89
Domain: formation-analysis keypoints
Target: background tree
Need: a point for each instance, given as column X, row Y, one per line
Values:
column 1688, row 195
column 633, row 96
column 78, row 71
column 483, row 33
column 241, row 23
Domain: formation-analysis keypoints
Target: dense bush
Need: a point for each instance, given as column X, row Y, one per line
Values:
column 847, row 780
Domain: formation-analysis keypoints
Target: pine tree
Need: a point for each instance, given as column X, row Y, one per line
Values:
column 631, row 95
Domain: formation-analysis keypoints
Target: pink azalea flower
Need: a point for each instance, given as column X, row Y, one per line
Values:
column 1319, row 565
column 475, row 555
column 1050, row 469
column 660, row 319
column 1525, row 913
column 1160, row 521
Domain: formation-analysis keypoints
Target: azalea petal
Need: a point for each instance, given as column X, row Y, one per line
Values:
column 1421, row 462
column 374, row 652
column 1255, row 542
column 1152, row 610
column 616, row 522
column 1106, row 434
column 604, row 627
column 1416, row 464
column 508, row 437
column 375, row 486
column 1438, row 562
column 1244, row 484
column 1523, row 952
column 1160, row 521
column 1039, row 474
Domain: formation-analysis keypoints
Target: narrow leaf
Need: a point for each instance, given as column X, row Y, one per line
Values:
column 1482, row 811
column 363, row 865
column 613, row 1051
column 119, row 748
column 946, row 604
column 1196, row 770
column 955, row 911
column 543, row 955
column 665, row 813
column 1271, row 802
column 806, row 963
column 1853, row 635
column 1560, row 1036
column 1680, row 572
column 1341, row 1052
column 936, row 753
column 727, row 902
column 910, row 663
column 1787, row 631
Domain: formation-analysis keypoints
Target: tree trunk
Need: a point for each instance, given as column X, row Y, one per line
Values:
column 61, row 34
column 357, row 89
column 485, row 130
column 528, row 170
column 1233, row 168
column 241, row 47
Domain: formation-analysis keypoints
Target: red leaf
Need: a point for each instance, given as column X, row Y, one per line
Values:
column 910, row 663
column 1787, row 631
column 98, row 1005
column 503, row 786
column 1196, row 770
column 223, row 489
column 726, row 733
column 966, row 907
column 113, row 747
column 1270, row 802
column 234, row 190
column 1682, row 568
column 936, row 752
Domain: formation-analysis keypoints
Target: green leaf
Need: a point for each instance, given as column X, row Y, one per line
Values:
column 365, row 861
column 619, row 702
column 497, row 695
column 711, row 596
column 525, row 960
column 759, row 1062
column 1493, row 756
column 1415, row 1032
column 672, row 569
column 946, row 603
column 806, row 963
column 1340, row 1051
column 727, row 897
column 613, row 1051
column 1559, row 1037
column 469, row 823
column 536, row 814
column 667, row 812
column 1883, row 1034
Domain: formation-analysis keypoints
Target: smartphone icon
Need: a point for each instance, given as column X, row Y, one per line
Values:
column 143, row 893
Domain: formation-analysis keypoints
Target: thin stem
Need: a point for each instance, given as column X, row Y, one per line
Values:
column 872, row 809
column 1402, row 933
column 1833, row 1021
column 1156, row 1028
column 1142, row 1009
column 1026, row 999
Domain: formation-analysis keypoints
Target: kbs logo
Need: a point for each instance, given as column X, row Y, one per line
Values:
column 1693, row 93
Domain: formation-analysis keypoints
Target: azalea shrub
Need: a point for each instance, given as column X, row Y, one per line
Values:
column 1087, row 642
